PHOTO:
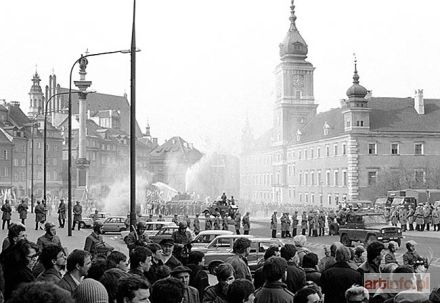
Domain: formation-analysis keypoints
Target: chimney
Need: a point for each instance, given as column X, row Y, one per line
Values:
column 419, row 103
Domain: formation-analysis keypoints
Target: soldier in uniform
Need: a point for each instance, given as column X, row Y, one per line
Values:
column 246, row 224
column 138, row 237
column 288, row 222
column 427, row 220
column 321, row 223
column 196, row 224
column 436, row 219
column 225, row 225
column 410, row 217
column 394, row 217
column 208, row 222
column 310, row 218
column 6, row 216
column 182, row 242
column 62, row 213
column 39, row 214
column 77, row 211
column 295, row 222
column 49, row 238
column 274, row 225
column 283, row 225
column 419, row 218
column 22, row 210
column 403, row 215
column 188, row 220
column 95, row 244
column 304, row 223
column 237, row 222
column 411, row 257
column 217, row 221
column 175, row 220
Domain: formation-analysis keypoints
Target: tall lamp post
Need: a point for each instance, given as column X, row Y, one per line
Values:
column 33, row 126
column 133, row 121
column 69, row 143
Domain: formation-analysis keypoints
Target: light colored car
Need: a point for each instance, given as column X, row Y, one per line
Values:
column 221, row 247
column 206, row 236
column 152, row 228
column 87, row 222
column 114, row 224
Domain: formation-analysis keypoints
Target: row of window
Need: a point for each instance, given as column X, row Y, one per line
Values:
column 310, row 198
column 395, row 149
column 316, row 152
column 313, row 178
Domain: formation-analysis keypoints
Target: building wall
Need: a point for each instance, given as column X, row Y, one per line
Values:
column 6, row 155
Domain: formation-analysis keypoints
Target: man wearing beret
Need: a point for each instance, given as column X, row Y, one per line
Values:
column 191, row 294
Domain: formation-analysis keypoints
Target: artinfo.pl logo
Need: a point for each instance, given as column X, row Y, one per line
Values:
column 397, row 282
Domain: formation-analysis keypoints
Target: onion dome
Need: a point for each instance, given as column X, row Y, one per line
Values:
column 36, row 88
column 293, row 44
column 356, row 90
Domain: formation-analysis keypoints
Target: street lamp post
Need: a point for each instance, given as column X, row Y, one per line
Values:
column 69, row 143
column 133, row 121
column 33, row 125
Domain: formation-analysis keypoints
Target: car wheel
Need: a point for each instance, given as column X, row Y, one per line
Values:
column 82, row 225
column 345, row 240
column 213, row 266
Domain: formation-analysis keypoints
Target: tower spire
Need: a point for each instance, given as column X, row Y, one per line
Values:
column 355, row 75
column 292, row 17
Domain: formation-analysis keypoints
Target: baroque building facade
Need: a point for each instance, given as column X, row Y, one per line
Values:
column 321, row 159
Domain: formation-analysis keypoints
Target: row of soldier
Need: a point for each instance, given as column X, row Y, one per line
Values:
column 312, row 223
column 422, row 217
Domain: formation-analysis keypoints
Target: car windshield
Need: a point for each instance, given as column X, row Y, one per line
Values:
column 376, row 219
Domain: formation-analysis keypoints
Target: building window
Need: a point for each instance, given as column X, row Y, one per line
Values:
column 300, row 198
column 318, row 152
column 329, row 199
column 419, row 176
column 15, row 163
column 318, row 181
column 336, row 176
column 306, row 179
column 344, row 178
column 418, row 149
column 312, row 178
column 307, row 198
column 311, row 153
column 327, row 179
column 305, row 155
column 335, row 149
column 5, row 155
column 299, row 155
column 327, row 151
column 344, row 149
column 300, row 179
column 394, row 148
column 372, row 177
column 372, row 148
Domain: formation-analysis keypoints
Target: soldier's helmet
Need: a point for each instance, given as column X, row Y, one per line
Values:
column 182, row 225
column 141, row 225
column 97, row 226
column 48, row 226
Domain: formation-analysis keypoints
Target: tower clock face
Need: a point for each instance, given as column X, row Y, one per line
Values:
column 298, row 81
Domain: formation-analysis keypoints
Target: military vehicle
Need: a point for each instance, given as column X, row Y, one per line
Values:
column 367, row 226
column 222, row 208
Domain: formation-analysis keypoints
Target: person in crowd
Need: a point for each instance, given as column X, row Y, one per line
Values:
column 295, row 223
column 77, row 215
column 218, row 293
column 78, row 265
column 240, row 291
column 137, row 237
column 390, row 256
column 167, row 257
column 329, row 257
column 225, row 224
column 16, row 232
column 436, row 219
column 411, row 219
column 97, row 269
column 274, row 225
column 374, row 258
column 217, row 221
column 163, row 272
column 53, row 259
column 339, row 277
column 116, row 259
column 427, row 220
column 156, row 261
column 237, row 222
column 90, row 291
column 352, row 263
column 274, row 290
column 18, row 264
column 304, row 223
column 182, row 242
column 169, row 290
column 411, row 257
column 403, row 218
column 259, row 274
column 175, row 219
column 296, row 277
column 22, row 210
column 198, row 277
column 95, row 244
column 112, row 278
column 40, row 292
column 62, row 213
column 131, row 289
column 310, row 266
column 187, row 220
column 301, row 250
column 196, row 224
column 418, row 214
column 246, row 223
column 50, row 237
column 208, row 221
column 358, row 257
column 191, row 294
column 307, row 295
column 321, row 223
column 356, row 294
column 39, row 215
column 140, row 262
column 241, row 249
column 6, row 216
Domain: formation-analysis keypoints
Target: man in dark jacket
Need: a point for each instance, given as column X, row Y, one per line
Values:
column 191, row 294
column 22, row 209
column 78, row 265
column 310, row 265
column 374, row 258
column 296, row 277
column 6, row 216
column 95, row 244
column 198, row 277
column 53, row 259
column 274, row 290
column 62, row 213
column 339, row 277
column 49, row 238
column 77, row 215
column 259, row 275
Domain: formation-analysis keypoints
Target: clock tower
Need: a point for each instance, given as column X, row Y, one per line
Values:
column 294, row 103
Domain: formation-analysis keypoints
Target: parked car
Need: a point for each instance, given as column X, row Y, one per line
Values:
column 152, row 228
column 87, row 222
column 220, row 249
column 206, row 236
column 114, row 224
column 166, row 232
column 368, row 226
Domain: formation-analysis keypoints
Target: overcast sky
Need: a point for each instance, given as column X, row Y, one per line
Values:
column 206, row 64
